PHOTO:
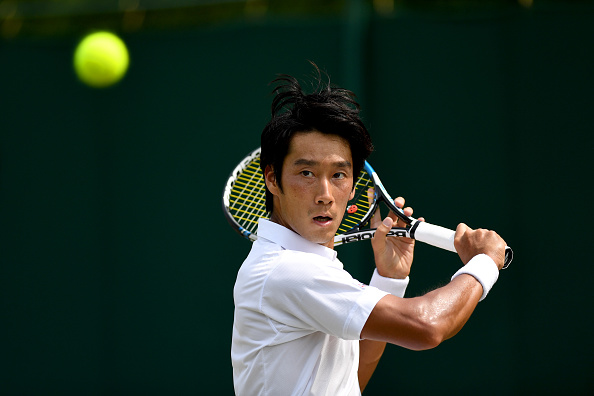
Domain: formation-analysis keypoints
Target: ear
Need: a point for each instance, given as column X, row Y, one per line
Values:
column 270, row 180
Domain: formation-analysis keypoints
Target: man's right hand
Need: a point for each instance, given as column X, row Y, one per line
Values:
column 469, row 243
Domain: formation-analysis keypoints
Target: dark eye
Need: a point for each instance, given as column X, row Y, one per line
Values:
column 339, row 175
column 306, row 173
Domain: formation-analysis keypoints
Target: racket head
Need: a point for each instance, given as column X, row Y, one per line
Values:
column 244, row 196
column 244, row 199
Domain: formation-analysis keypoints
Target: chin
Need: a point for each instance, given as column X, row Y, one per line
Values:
column 323, row 239
column 320, row 236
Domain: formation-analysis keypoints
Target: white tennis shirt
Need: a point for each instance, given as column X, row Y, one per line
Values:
column 298, row 319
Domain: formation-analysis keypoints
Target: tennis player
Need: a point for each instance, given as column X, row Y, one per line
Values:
column 303, row 325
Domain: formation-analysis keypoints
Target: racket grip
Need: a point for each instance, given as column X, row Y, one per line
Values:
column 433, row 235
column 442, row 237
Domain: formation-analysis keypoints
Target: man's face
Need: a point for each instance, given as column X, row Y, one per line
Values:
column 317, row 183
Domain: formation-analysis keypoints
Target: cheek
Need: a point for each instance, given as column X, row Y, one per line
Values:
column 295, row 198
column 297, row 189
column 347, row 191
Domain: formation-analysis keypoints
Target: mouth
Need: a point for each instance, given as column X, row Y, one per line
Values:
column 322, row 219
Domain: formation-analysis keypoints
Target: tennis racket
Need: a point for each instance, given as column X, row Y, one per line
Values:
column 244, row 203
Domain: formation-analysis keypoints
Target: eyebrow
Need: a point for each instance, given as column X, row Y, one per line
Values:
column 338, row 164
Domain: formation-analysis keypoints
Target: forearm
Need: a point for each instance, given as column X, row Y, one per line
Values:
column 464, row 291
column 448, row 309
column 424, row 322
column 370, row 353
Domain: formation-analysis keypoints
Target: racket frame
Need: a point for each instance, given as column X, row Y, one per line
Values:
column 246, row 233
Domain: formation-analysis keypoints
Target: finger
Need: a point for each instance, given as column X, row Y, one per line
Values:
column 399, row 202
column 461, row 230
column 379, row 239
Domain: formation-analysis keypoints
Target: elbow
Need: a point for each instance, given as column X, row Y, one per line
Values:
column 431, row 331
column 426, row 338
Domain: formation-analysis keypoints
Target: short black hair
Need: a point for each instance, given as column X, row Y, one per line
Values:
column 328, row 109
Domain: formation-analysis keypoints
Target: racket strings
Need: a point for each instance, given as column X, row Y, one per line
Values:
column 247, row 198
column 358, row 207
column 247, row 202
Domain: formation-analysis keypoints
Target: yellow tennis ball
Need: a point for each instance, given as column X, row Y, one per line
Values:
column 101, row 59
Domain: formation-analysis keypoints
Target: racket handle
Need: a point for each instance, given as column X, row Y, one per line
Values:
column 442, row 237
column 434, row 235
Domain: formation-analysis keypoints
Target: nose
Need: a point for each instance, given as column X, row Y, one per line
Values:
column 324, row 195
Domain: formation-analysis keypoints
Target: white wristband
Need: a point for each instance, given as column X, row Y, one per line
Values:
column 484, row 269
column 396, row 287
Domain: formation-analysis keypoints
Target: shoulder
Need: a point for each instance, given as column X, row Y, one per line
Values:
column 301, row 273
column 269, row 263
column 296, row 264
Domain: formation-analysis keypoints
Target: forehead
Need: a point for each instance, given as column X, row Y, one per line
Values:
column 318, row 146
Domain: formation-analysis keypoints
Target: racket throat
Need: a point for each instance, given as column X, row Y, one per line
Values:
column 413, row 228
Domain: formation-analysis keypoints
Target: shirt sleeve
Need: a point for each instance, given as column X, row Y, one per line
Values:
column 305, row 292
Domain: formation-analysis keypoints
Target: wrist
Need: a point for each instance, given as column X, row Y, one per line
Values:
column 483, row 269
column 396, row 287
column 397, row 274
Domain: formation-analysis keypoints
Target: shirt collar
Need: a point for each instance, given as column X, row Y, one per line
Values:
column 291, row 240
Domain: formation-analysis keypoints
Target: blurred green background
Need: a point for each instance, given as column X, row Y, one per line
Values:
column 117, row 265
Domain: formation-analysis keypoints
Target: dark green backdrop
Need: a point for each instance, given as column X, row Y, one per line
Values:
column 117, row 265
